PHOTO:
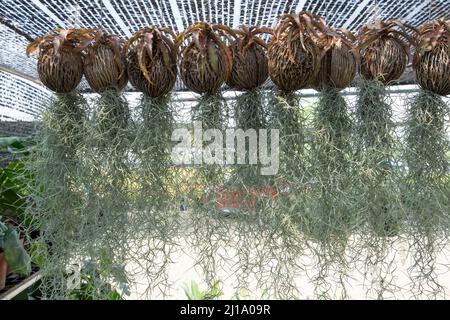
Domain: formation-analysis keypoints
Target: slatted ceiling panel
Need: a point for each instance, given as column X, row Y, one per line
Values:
column 20, row 100
column 436, row 9
column 251, row 14
column 150, row 19
column 319, row 8
column 269, row 19
column 362, row 15
column 73, row 13
column 135, row 19
column 27, row 17
column 205, row 10
column 169, row 19
column 227, row 9
column 12, row 53
column 270, row 16
column 98, row 16
column 340, row 12
column 394, row 10
column 185, row 7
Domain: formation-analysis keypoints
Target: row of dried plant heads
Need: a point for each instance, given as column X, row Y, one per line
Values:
column 64, row 55
column 301, row 50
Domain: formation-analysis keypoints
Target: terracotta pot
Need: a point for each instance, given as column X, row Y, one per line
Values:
column 3, row 267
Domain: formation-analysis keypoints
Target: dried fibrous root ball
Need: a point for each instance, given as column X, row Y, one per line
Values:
column 206, row 61
column 432, row 57
column 385, row 50
column 60, row 62
column 152, row 61
column 250, row 65
column 339, row 61
column 105, row 62
column 294, row 57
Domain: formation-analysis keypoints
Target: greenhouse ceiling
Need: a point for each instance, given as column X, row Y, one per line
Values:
column 22, row 21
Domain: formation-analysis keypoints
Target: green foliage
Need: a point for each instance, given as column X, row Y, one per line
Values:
column 15, row 188
column 243, row 294
column 17, row 258
column 39, row 253
column 93, row 284
column 15, row 144
column 12, row 201
column 194, row 293
column 15, row 180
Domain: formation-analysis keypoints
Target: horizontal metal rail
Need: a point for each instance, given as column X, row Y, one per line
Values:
column 20, row 74
column 228, row 94
column 20, row 287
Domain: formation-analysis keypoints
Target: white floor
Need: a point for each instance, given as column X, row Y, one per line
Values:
column 182, row 271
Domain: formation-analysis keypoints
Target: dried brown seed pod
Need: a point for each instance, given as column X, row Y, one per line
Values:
column 105, row 62
column 432, row 57
column 384, row 49
column 250, row 65
column 152, row 61
column 294, row 57
column 339, row 60
column 206, row 62
column 60, row 63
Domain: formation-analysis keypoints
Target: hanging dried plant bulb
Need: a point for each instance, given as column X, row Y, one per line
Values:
column 250, row 66
column 60, row 64
column 384, row 49
column 432, row 57
column 105, row 63
column 206, row 62
column 339, row 60
column 152, row 61
column 294, row 57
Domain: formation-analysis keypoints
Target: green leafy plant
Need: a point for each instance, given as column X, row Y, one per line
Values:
column 16, row 257
column 96, row 279
column 12, row 189
column 15, row 187
column 193, row 292
column 243, row 294
column 16, row 181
